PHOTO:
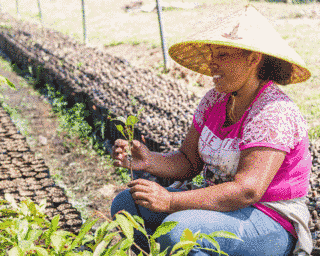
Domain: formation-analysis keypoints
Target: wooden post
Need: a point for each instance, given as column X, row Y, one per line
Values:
column 163, row 41
column 17, row 5
column 40, row 13
column 85, row 40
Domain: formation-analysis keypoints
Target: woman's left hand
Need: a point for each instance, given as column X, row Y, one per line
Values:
column 151, row 195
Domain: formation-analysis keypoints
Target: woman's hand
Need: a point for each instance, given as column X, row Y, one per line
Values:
column 141, row 155
column 151, row 195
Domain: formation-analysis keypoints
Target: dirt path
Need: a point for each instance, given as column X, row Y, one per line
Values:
column 89, row 179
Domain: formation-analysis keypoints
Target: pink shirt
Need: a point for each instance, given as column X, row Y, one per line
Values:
column 272, row 120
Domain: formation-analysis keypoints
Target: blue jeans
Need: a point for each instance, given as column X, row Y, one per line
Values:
column 261, row 235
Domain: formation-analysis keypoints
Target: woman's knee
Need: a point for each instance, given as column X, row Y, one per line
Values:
column 123, row 201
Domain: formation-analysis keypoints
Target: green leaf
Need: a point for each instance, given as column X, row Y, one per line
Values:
column 212, row 250
column 25, row 245
column 24, row 210
column 132, row 120
column 164, row 253
column 100, row 248
column 84, row 230
column 126, row 226
column 139, row 112
column 5, row 224
column 139, row 219
column 8, row 239
column 40, row 251
column 134, row 222
column 126, row 244
column 7, row 82
column 133, row 100
column 57, row 242
column 179, row 253
column 30, row 70
column 212, row 240
column 164, row 228
column 155, row 247
column 58, row 239
column 87, row 238
column 100, row 232
column 32, row 207
column 112, row 249
column 23, row 229
column 15, row 251
column 188, row 236
column 224, row 234
column 184, row 244
column 53, row 227
column 120, row 129
column 33, row 235
column 112, row 225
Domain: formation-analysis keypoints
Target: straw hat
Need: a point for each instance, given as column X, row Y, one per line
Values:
column 246, row 29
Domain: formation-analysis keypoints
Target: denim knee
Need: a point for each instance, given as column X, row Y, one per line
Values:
column 123, row 201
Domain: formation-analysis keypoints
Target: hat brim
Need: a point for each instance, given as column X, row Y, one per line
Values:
column 195, row 56
column 239, row 31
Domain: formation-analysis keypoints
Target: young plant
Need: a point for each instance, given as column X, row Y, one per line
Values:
column 128, row 130
column 6, row 81
column 25, row 230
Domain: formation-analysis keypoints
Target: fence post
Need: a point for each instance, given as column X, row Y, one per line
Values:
column 163, row 41
column 40, row 13
column 85, row 40
column 17, row 5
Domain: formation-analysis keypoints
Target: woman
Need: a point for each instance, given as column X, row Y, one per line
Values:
column 248, row 137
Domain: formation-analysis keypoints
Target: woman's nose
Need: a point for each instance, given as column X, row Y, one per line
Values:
column 213, row 67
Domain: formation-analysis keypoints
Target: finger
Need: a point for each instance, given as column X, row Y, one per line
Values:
column 117, row 163
column 142, row 203
column 121, row 143
column 140, row 196
column 139, row 189
column 119, row 150
column 136, row 182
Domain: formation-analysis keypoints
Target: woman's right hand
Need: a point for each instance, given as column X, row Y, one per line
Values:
column 141, row 155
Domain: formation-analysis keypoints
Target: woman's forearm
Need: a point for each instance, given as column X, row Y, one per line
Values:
column 225, row 197
column 172, row 165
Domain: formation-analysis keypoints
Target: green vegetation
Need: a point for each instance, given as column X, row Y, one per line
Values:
column 25, row 230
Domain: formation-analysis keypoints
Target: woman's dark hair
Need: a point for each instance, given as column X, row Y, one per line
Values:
column 271, row 68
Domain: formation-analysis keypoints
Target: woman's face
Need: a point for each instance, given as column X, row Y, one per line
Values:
column 229, row 68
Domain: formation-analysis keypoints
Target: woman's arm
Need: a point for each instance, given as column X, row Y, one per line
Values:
column 180, row 165
column 257, row 167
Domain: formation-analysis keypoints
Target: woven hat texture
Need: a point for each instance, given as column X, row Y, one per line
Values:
column 246, row 29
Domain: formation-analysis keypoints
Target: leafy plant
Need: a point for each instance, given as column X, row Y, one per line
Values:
column 128, row 130
column 6, row 81
column 25, row 230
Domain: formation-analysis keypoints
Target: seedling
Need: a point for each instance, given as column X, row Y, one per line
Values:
column 6, row 81
column 128, row 130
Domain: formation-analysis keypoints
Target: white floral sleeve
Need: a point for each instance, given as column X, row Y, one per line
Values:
column 211, row 97
column 273, row 121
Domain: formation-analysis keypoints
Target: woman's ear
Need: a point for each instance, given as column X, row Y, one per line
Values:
column 254, row 59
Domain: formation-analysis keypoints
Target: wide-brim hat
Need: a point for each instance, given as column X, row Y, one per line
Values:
column 246, row 29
